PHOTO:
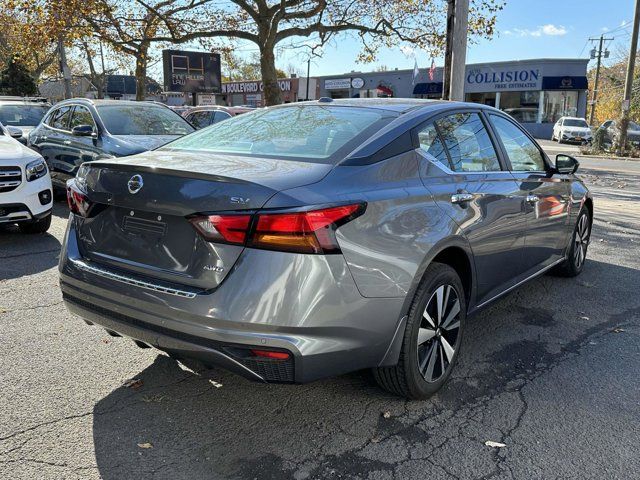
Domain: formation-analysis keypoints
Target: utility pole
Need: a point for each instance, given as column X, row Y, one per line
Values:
column 459, row 50
column 446, row 71
column 628, row 84
column 594, row 97
column 308, row 72
column 62, row 59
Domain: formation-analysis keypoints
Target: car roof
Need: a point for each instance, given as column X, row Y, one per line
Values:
column 98, row 102
column 398, row 105
column 573, row 118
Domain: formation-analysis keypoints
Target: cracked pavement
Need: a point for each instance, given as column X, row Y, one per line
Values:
column 551, row 371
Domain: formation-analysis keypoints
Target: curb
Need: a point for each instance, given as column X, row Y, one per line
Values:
column 607, row 157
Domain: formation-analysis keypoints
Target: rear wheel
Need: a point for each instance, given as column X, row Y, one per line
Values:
column 36, row 226
column 577, row 252
column 432, row 336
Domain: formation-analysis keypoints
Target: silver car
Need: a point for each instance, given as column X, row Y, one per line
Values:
column 313, row 239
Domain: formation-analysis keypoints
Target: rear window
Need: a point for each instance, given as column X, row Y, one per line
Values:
column 313, row 133
column 22, row 115
column 137, row 119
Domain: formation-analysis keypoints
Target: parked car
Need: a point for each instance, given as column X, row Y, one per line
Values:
column 572, row 129
column 204, row 116
column 308, row 240
column 25, row 186
column 80, row 130
column 523, row 115
column 611, row 132
column 22, row 113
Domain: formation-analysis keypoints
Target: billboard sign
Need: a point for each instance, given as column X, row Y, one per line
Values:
column 193, row 72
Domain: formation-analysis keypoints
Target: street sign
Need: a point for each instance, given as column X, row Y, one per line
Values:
column 193, row 72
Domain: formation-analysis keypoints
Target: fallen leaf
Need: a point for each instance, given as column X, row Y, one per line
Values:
column 152, row 398
column 133, row 383
column 617, row 330
column 214, row 383
column 106, row 340
column 145, row 445
column 386, row 414
column 3, row 310
column 490, row 443
column 584, row 318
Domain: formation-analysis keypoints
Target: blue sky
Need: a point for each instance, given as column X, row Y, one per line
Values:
column 526, row 29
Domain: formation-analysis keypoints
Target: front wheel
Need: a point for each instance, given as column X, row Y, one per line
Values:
column 577, row 251
column 432, row 336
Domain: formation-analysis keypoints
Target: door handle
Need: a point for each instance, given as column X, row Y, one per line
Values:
column 532, row 199
column 461, row 197
column 67, row 142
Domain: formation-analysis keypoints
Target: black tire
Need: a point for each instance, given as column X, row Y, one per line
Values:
column 577, row 251
column 36, row 226
column 410, row 378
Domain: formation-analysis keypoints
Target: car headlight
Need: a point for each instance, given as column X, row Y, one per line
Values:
column 36, row 169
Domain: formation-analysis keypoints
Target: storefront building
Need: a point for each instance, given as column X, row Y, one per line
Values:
column 251, row 92
column 536, row 92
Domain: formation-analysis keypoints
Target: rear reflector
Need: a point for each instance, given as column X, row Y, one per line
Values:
column 311, row 231
column 271, row 354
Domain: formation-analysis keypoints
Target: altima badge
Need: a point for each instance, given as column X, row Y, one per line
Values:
column 213, row 268
column 135, row 184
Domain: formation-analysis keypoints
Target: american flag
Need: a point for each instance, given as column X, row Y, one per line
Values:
column 416, row 72
column 432, row 70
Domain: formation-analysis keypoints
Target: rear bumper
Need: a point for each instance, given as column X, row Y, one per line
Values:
column 307, row 305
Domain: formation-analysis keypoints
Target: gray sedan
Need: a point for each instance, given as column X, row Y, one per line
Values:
column 313, row 239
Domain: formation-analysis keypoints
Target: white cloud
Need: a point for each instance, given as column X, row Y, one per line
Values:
column 549, row 29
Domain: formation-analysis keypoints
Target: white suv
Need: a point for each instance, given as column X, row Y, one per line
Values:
column 25, row 185
column 572, row 129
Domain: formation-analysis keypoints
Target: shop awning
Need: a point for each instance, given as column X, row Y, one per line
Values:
column 427, row 88
column 385, row 90
column 564, row 83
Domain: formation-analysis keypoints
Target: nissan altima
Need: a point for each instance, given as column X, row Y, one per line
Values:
column 312, row 239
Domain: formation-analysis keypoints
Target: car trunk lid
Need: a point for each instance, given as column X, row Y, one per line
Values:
column 148, row 232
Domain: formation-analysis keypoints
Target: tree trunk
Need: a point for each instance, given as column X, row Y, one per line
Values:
column 141, row 74
column 272, row 94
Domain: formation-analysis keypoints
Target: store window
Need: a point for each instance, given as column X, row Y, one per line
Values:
column 559, row 104
column 483, row 98
column 522, row 106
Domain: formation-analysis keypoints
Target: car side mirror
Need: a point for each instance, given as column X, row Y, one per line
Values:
column 566, row 164
column 14, row 132
column 83, row 131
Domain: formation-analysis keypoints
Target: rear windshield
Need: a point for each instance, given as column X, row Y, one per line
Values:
column 137, row 119
column 574, row 122
column 313, row 133
column 22, row 115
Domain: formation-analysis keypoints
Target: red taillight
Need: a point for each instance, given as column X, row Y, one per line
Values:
column 78, row 202
column 271, row 354
column 310, row 231
column 303, row 232
column 223, row 228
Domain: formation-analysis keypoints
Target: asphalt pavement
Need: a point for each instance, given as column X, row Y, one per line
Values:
column 550, row 372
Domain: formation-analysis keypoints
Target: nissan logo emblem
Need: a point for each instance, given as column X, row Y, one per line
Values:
column 135, row 184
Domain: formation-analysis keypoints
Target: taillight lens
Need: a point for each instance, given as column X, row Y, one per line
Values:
column 223, row 228
column 271, row 354
column 303, row 232
column 78, row 201
column 311, row 231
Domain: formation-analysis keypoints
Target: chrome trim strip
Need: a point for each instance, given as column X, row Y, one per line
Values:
column 15, row 216
column 10, row 183
column 530, row 277
column 11, row 173
column 102, row 272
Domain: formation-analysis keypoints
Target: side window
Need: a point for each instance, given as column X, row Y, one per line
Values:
column 469, row 145
column 199, row 119
column 81, row 116
column 52, row 117
column 430, row 142
column 61, row 118
column 219, row 116
column 523, row 154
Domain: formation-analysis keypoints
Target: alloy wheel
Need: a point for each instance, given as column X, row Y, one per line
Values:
column 438, row 333
column 581, row 241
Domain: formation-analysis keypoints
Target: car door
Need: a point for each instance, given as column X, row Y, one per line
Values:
column 470, row 183
column 82, row 149
column 53, row 144
column 546, row 194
